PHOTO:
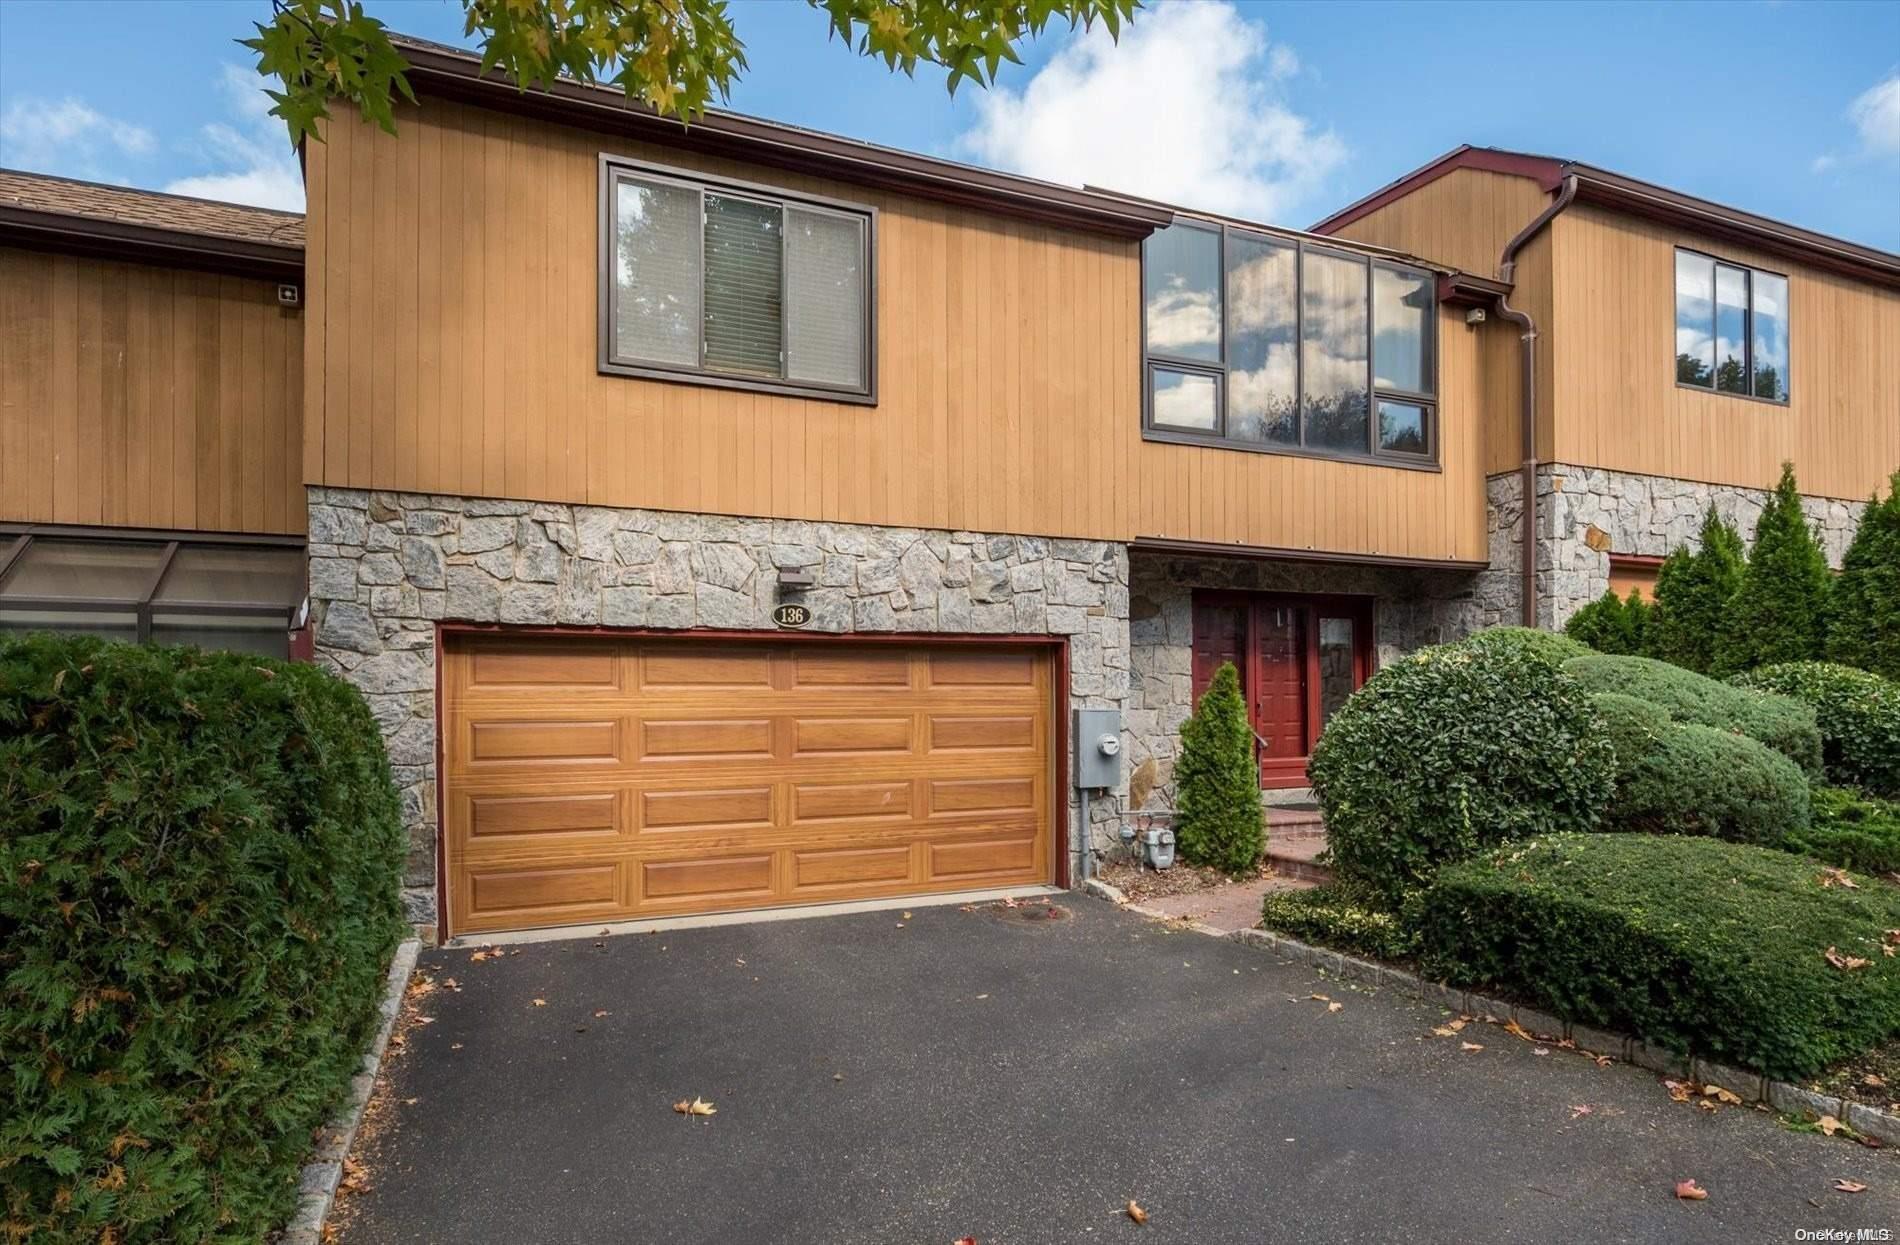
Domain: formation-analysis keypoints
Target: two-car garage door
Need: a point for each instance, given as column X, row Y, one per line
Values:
column 593, row 777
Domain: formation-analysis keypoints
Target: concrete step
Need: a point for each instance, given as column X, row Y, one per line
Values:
column 1296, row 856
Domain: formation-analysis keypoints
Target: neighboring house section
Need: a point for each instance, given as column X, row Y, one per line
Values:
column 151, row 355
column 728, row 516
column 1685, row 350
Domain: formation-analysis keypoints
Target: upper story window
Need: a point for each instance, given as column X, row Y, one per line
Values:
column 733, row 285
column 1270, row 343
column 1731, row 328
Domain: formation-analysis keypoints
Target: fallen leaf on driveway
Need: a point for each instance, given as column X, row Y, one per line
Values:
column 540, row 1002
column 965, row 1240
column 602, row 1012
column 1603, row 1061
column 698, row 1106
column 1580, row 1110
column 1135, row 1211
column 455, row 1046
column 1705, row 1104
column 1541, row 1050
column 907, row 916
column 1472, row 1045
column 478, row 957
column 1320, row 998
column 1680, row 1091
column 1849, row 1186
column 1517, row 1030
column 355, row 1179
column 1722, row 1095
column 1690, row 1191
column 1445, row 1031
column 1333, row 1007
column 1829, row 1125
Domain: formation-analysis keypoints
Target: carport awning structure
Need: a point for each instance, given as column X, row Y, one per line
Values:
column 226, row 592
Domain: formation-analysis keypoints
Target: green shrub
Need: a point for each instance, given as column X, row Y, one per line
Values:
column 1343, row 916
column 1858, row 713
column 1552, row 646
column 1851, row 830
column 1681, row 778
column 199, row 865
column 1450, row 751
column 1610, row 624
column 1691, row 943
column 1784, row 724
column 1693, row 591
column 1780, row 612
column 1217, row 781
column 1864, row 607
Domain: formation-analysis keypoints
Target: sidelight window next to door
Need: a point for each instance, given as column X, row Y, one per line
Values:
column 1299, row 658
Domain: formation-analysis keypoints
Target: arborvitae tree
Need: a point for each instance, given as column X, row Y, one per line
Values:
column 1780, row 612
column 1693, row 591
column 1610, row 624
column 1217, row 781
column 1864, row 609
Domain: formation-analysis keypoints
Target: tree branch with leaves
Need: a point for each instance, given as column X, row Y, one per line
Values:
column 674, row 56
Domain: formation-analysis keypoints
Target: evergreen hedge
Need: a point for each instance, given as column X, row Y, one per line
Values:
column 1610, row 624
column 1690, row 943
column 1784, row 724
column 1450, row 751
column 1693, row 591
column 1851, row 830
column 1677, row 778
column 199, row 865
column 1864, row 606
column 1780, row 612
column 1859, row 717
column 1551, row 646
column 1218, row 816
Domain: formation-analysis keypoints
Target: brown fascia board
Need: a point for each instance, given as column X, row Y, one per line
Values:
column 454, row 74
column 1632, row 197
column 121, row 240
column 1267, row 553
column 1462, row 289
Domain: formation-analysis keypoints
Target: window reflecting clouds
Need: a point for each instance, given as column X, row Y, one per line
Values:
column 1333, row 351
column 1263, row 341
column 1731, row 327
column 1183, row 293
column 1263, row 334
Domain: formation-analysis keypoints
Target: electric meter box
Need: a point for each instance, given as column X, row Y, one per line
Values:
column 1097, row 743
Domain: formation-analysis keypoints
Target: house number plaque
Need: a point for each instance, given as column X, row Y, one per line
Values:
column 791, row 615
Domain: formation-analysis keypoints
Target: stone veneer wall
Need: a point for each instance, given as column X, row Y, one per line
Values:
column 385, row 568
column 1413, row 608
column 1585, row 514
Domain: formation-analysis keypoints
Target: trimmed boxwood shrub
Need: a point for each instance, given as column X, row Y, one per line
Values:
column 200, row 856
column 1681, row 778
column 1691, row 943
column 1783, row 724
column 1851, row 830
column 1450, row 751
column 1858, row 713
column 1217, row 820
column 1343, row 915
column 1552, row 646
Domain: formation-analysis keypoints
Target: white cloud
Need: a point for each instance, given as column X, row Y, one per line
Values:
column 253, row 158
column 70, row 138
column 1876, row 114
column 1188, row 108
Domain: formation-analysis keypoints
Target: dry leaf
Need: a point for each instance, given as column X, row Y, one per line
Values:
column 540, row 1002
column 1874, row 1079
column 1849, row 1186
column 1517, row 1030
column 478, row 957
column 1705, row 1104
column 455, row 1046
column 907, row 916
column 1722, row 1095
column 1333, row 1007
column 1838, row 877
column 1829, row 1125
column 965, row 1240
column 602, row 1012
column 1603, row 1061
column 1471, row 1046
column 1319, row 998
column 1690, row 1191
column 1678, row 1091
column 1541, row 1050
column 1457, row 1024
column 1580, row 1110
column 698, row 1106
column 1847, row 963
column 1445, row 1031
column 1135, row 1211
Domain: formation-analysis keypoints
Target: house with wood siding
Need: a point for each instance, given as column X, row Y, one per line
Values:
column 736, row 516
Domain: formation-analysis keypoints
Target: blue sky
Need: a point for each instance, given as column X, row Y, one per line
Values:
column 1274, row 111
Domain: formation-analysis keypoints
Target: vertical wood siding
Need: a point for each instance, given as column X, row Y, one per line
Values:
column 1615, row 368
column 140, row 396
column 451, row 348
column 1462, row 219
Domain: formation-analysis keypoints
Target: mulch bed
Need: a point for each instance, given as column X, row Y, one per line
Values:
column 1872, row 1078
column 1139, row 882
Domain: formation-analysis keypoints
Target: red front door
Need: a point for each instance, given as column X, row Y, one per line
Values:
column 1298, row 659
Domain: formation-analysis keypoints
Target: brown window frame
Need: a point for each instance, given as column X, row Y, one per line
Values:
column 1750, row 271
column 611, row 167
column 1373, row 455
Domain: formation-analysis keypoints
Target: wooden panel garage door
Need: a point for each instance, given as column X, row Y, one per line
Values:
column 589, row 777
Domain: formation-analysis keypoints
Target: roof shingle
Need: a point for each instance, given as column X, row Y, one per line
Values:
column 149, row 209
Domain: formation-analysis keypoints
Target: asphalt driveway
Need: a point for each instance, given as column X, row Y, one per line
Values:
column 970, row 1073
